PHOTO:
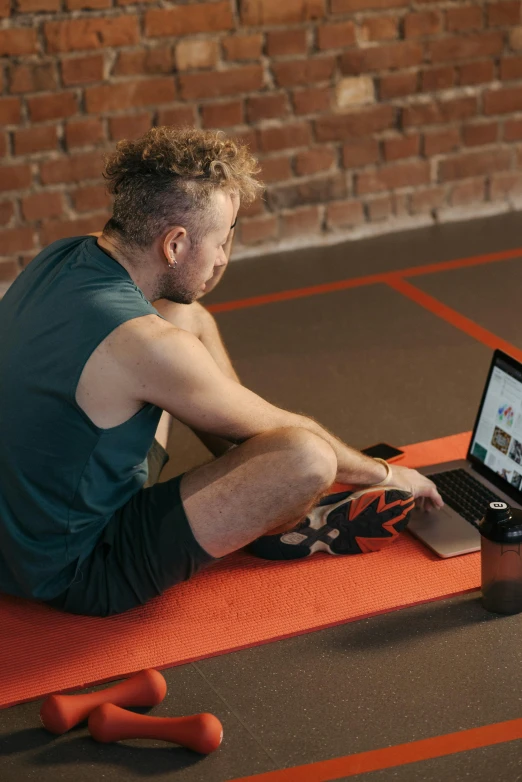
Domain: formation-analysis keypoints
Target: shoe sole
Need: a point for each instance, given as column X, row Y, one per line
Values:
column 369, row 520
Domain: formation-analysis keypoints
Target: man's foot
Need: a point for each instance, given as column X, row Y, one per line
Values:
column 342, row 523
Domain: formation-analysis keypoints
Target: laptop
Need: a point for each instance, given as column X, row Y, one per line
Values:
column 491, row 471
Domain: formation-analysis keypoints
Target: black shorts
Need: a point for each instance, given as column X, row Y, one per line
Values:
column 147, row 547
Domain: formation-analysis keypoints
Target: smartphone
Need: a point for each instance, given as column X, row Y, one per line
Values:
column 384, row 451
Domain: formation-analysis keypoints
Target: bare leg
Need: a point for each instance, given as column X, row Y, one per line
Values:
column 272, row 479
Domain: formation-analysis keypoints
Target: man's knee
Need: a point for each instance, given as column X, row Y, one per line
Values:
column 311, row 459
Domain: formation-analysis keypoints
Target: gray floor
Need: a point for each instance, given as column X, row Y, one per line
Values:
column 370, row 365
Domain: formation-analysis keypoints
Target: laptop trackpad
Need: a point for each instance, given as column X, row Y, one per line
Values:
column 444, row 532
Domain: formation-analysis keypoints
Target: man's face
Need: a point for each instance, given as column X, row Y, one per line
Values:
column 198, row 263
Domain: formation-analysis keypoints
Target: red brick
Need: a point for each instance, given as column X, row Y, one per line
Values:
column 511, row 68
column 177, row 115
column 381, row 58
column 33, row 78
column 15, row 177
column 213, row 85
column 129, row 126
column 9, row 270
column 360, row 153
column 391, row 177
column 438, row 79
column 188, row 19
column 135, row 62
column 477, row 135
column 503, row 101
column 10, row 111
column 3, row 145
column 196, row 54
column 29, row 140
column 41, row 205
column 465, row 18
column 427, row 200
column 252, row 210
column 350, row 6
column 276, row 169
column 32, row 6
column 290, row 135
column 259, row 229
column 465, row 193
column 313, row 160
column 6, row 212
column 246, row 137
column 293, row 73
column 397, row 148
column 5, row 8
column 421, row 24
column 505, row 185
column 83, row 132
column 91, row 199
column 477, row 72
column 96, row 33
column 318, row 190
column 335, row 36
column 15, row 240
column 380, row 208
column 130, row 94
column 311, row 101
column 82, row 70
column 355, row 124
column 132, row 2
column 401, row 204
column 52, row 106
column 268, row 106
column 264, row 12
column 17, row 41
column 58, row 229
column 243, row 47
column 76, row 5
column 396, row 85
column 513, row 130
column 222, row 115
column 504, row 13
column 441, row 141
column 474, row 164
column 281, row 42
column 301, row 222
column 73, row 168
column 437, row 112
column 460, row 47
column 344, row 213
column 380, row 28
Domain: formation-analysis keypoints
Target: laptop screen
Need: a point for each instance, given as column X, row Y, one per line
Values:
column 497, row 437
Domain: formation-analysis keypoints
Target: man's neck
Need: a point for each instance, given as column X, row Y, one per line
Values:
column 110, row 247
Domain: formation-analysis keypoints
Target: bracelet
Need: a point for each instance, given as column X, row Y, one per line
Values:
column 388, row 472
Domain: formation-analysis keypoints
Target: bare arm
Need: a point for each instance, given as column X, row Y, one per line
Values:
column 177, row 373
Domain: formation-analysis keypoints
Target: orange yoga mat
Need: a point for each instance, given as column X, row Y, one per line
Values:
column 237, row 603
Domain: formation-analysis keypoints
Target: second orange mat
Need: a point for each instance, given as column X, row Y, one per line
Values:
column 237, row 603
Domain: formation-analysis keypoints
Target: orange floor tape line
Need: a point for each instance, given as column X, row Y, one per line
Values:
column 237, row 603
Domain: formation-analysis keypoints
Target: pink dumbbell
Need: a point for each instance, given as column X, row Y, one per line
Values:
column 201, row 732
column 60, row 713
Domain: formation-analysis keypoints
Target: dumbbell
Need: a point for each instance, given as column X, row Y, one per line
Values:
column 202, row 733
column 60, row 713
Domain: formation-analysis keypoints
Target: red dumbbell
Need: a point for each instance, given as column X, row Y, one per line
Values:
column 201, row 732
column 60, row 713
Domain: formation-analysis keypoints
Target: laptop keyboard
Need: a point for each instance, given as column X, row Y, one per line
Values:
column 462, row 492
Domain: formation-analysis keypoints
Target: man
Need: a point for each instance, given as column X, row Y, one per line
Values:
column 91, row 374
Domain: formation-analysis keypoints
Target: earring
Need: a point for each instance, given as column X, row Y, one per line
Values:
column 174, row 262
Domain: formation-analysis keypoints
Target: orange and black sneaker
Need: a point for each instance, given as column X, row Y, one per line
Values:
column 343, row 523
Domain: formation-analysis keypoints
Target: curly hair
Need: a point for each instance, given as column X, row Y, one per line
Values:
column 168, row 177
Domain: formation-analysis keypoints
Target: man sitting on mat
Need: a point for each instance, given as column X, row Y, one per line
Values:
column 91, row 374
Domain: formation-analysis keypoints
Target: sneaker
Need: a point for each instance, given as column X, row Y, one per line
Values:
column 342, row 523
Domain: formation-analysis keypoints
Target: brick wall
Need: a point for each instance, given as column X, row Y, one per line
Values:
column 366, row 114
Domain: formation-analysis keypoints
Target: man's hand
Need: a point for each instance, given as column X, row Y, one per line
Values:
column 424, row 490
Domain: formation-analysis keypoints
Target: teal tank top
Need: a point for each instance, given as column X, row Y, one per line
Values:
column 61, row 476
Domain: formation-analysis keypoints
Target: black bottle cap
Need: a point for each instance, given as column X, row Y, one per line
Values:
column 501, row 523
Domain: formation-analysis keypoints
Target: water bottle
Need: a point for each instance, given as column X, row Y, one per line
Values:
column 501, row 558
